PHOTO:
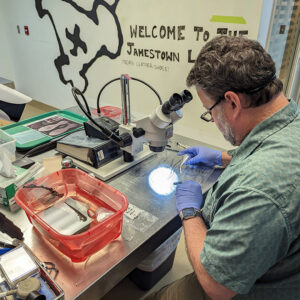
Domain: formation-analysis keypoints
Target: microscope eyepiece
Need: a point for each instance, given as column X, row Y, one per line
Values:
column 186, row 96
column 174, row 103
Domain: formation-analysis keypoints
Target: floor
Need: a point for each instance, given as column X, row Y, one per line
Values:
column 126, row 289
column 35, row 108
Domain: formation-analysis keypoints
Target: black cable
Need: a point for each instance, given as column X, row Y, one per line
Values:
column 111, row 135
column 78, row 92
column 150, row 87
column 87, row 112
column 133, row 78
column 98, row 98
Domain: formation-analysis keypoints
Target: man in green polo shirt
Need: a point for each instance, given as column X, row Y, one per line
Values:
column 243, row 235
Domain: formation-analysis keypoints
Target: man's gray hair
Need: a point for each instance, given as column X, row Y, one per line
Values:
column 236, row 64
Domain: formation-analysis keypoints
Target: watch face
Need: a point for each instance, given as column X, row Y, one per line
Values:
column 188, row 213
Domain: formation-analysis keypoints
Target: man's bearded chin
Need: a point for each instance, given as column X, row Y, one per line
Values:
column 227, row 131
column 229, row 135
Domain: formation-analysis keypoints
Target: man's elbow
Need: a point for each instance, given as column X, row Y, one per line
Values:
column 219, row 295
column 212, row 288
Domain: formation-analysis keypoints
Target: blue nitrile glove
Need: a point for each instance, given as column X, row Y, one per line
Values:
column 202, row 156
column 188, row 194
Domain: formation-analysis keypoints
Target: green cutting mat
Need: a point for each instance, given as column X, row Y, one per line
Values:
column 43, row 128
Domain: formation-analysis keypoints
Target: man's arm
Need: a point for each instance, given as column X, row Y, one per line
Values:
column 226, row 158
column 195, row 232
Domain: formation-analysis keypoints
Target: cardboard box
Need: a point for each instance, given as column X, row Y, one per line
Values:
column 5, row 122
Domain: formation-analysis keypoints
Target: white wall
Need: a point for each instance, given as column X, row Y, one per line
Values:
column 33, row 56
column 6, row 66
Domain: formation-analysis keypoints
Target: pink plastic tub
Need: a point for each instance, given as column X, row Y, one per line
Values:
column 77, row 213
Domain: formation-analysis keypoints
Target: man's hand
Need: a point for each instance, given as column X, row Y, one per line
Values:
column 188, row 194
column 202, row 156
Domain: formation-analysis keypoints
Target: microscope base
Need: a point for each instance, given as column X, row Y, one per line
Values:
column 114, row 167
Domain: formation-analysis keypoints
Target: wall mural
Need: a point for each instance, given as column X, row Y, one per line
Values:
column 78, row 49
column 149, row 45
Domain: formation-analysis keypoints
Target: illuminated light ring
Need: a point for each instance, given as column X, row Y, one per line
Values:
column 161, row 180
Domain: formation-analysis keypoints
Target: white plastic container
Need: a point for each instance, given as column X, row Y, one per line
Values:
column 8, row 145
column 160, row 254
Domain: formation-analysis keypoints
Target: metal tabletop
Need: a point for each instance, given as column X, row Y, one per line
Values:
column 106, row 268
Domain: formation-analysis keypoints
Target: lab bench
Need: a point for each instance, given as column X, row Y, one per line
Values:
column 106, row 268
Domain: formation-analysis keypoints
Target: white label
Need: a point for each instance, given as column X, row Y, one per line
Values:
column 132, row 211
column 101, row 154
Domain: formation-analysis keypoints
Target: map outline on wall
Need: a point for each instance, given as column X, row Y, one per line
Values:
column 74, row 36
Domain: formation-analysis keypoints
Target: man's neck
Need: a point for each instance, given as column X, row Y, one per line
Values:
column 265, row 111
column 254, row 115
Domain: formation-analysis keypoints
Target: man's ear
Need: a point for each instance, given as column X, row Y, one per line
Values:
column 234, row 103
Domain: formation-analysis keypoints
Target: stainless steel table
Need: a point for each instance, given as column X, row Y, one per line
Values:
column 106, row 268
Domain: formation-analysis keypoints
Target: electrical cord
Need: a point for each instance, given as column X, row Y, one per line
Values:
column 83, row 98
column 99, row 94
column 110, row 134
column 150, row 87
column 133, row 78
column 121, row 141
column 87, row 112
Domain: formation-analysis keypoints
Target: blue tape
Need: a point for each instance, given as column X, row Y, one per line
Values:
column 4, row 250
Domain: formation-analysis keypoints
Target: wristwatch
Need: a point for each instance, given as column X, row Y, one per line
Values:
column 189, row 212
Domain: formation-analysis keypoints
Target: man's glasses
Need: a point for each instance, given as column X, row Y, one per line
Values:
column 207, row 115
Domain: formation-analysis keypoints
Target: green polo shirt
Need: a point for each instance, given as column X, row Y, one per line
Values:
column 253, row 213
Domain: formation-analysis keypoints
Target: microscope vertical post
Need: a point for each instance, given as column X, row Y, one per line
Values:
column 125, row 98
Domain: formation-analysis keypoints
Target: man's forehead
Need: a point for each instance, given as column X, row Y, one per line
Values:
column 204, row 97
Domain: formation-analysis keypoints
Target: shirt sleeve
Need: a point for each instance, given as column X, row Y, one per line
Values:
column 247, row 236
column 231, row 152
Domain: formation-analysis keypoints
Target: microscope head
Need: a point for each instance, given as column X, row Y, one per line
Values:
column 158, row 126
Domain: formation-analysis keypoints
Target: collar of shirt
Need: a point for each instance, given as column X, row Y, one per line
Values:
column 263, row 130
